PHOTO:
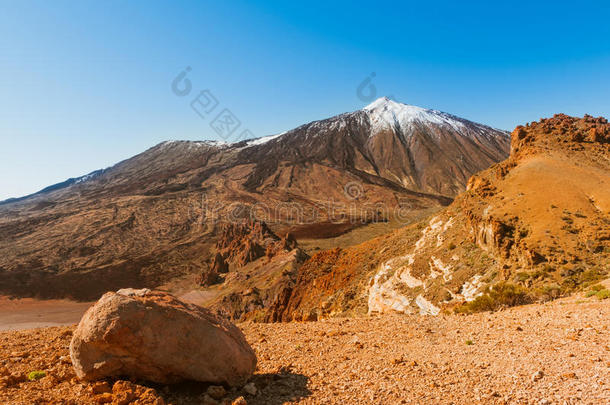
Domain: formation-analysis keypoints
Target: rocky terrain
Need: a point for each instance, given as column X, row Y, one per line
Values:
column 552, row 353
column 155, row 218
column 251, row 269
column 536, row 226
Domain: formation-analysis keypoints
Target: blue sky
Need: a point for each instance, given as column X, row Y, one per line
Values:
column 86, row 84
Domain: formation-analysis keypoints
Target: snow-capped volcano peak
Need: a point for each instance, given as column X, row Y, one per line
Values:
column 381, row 102
column 385, row 112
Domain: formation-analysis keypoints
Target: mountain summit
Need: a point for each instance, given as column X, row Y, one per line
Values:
column 414, row 148
column 385, row 112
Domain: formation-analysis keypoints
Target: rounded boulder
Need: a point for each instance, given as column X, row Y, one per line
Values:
column 153, row 336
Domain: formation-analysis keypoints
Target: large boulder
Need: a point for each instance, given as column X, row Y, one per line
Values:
column 153, row 336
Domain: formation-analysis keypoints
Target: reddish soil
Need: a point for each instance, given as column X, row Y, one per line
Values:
column 29, row 313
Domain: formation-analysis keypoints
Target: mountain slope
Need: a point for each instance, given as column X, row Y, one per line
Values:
column 535, row 226
column 156, row 216
column 421, row 150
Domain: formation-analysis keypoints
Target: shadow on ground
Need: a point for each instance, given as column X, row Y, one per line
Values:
column 272, row 389
column 279, row 388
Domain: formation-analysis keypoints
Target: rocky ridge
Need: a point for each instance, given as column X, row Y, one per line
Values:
column 251, row 269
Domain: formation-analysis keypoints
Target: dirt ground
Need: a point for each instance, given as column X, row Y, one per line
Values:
column 27, row 313
column 556, row 353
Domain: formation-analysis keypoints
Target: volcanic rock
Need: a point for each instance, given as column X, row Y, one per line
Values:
column 245, row 241
column 209, row 276
column 249, row 252
column 242, row 243
column 289, row 242
column 153, row 336
column 219, row 265
column 262, row 267
column 211, row 273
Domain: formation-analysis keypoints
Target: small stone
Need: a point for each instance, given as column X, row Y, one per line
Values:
column 208, row 400
column 105, row 398
column 537, row 375
column 124, row 392
column 250, row 388
column 48, row 382
column 15, row 378
column 239, row 401
column 356, row 342
column 100, row 387
column 216, row 391
column 64, row 374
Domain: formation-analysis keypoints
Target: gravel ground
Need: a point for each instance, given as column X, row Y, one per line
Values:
column 538, row 354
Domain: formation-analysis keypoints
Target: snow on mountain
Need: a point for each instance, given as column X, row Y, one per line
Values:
column 194, row 144
column 263, row 140
column 385, row 113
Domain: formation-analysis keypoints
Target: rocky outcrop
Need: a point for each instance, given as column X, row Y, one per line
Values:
column 219, row 264
column 209, row 276
column 259, row 266
column 212, row 273
column 559, row 129
column 248, row 252
column 153, row 336
column 242, row 243
column 246, row 241
column 289, row 242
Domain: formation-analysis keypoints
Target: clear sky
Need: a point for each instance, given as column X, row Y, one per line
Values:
column 86, row 84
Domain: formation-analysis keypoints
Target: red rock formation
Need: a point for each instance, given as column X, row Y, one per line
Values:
column 249, row 251
column 208, row 277
column 219, row 264
column 263, row 266
column 249, row 240
column 212, row 272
